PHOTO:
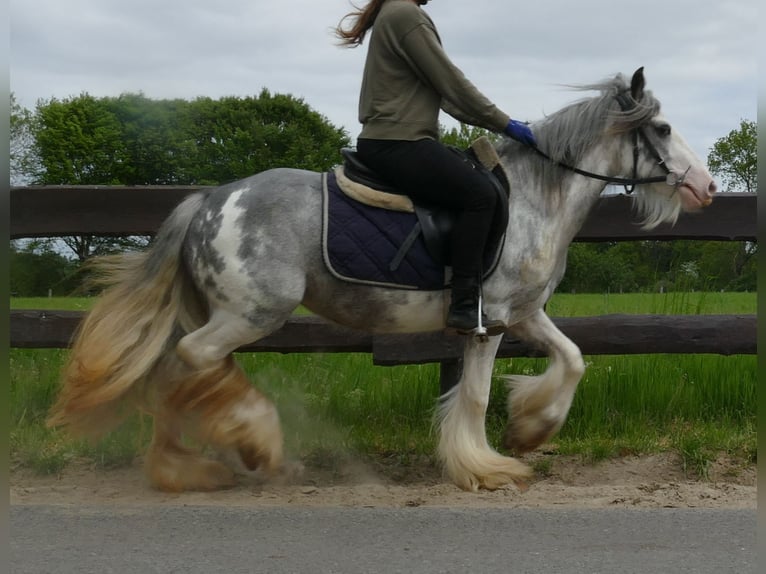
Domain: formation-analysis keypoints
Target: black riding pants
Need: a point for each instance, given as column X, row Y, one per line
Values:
column 433, row 175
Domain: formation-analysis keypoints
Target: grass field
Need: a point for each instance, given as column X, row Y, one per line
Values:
column 697, row 405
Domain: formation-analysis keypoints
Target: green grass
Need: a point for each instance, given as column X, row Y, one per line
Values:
column 34, row 380
column 560, row 305
column 341, row 402
column 57, row 303
column 699, row 406
column 670, row 303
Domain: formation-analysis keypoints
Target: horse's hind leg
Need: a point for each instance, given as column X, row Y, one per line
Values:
column 169, row 464
column 465, row 453
column 221, row 408
column 172, row 467
column 215, row 403
column 538, row 405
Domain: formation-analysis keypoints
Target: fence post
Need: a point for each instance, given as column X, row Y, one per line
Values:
column 450, row 371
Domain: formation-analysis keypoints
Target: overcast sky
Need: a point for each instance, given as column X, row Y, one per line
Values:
column 699, row 56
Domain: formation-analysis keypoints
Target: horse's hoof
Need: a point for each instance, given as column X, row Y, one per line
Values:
column 196, row 474
column 522, row 442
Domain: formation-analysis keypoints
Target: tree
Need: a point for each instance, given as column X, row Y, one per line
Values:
column 24, row 163
column 728, row 265
column 133, row 140
column 35, row 272
column 237, row 137
column 158, row 147
column 734, row 158
column 79, row 141
column 597, row 268
column 462, row 137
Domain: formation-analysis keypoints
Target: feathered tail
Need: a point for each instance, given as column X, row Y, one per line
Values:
column 134, row 323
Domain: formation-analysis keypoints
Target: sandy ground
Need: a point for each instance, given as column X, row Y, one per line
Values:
column 650, row 481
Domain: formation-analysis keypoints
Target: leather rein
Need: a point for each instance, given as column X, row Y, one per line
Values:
column 626, row 104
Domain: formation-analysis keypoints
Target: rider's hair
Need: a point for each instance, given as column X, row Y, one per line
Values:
column 363, row 19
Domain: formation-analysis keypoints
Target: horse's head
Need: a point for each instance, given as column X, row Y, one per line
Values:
column 618, row 137
column 660, row 150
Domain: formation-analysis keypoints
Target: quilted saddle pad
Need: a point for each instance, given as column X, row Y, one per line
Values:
column 362, row 244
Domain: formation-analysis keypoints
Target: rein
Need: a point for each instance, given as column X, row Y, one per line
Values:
column 627, row 104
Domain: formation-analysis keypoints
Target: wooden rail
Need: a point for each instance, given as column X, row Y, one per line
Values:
column 49, row 211
column 601, row 335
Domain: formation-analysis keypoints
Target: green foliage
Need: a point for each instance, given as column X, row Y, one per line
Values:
column 618, row 267
column 79, row 141
column 134, row 140
column 157, row 146
column 463, row 136
column 24, row 164
column 696, row 454
column 597, row 268
column 33, row 274
column 734, row 158
column 237, row 137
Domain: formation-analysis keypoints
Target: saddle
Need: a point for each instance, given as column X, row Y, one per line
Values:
column 434, row 224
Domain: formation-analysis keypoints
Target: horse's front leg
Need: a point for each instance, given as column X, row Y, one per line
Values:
column 538, row 405
column 467, row 457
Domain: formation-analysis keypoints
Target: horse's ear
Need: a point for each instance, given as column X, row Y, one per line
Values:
column 637, row 84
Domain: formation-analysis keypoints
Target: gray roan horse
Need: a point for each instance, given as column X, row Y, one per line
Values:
column 231, row 264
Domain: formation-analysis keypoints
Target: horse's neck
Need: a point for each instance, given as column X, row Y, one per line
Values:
column 582, row 193
column 561, row 205
column 544, row 217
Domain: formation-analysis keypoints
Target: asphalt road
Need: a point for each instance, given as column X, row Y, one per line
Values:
column 183, row 539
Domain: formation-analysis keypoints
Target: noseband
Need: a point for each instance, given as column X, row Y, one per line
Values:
column 626, row 104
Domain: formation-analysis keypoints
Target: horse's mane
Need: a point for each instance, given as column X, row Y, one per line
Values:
column 566, row 135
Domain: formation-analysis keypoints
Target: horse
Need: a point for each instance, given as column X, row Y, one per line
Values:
column 229, row 265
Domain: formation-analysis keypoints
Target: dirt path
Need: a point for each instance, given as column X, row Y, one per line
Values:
column 650, row 481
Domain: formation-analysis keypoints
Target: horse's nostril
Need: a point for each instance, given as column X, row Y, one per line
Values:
column 712, row 188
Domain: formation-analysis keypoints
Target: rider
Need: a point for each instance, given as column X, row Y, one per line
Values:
column 407, row 79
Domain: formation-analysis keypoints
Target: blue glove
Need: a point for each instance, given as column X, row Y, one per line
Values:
column 520, row 132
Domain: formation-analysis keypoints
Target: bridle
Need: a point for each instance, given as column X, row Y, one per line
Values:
column 627, row 103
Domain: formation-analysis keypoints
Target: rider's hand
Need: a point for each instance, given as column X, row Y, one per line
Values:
column 520, row 132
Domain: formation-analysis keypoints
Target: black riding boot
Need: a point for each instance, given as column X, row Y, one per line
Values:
column 463, row 314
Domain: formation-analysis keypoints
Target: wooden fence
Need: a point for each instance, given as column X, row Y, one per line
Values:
column 75, row 210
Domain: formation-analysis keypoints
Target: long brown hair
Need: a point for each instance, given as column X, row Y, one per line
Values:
column 364, row 18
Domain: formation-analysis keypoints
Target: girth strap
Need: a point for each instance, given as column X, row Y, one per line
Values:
column 404, row 248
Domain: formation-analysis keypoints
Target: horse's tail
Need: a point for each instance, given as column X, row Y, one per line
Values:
column 148, row 301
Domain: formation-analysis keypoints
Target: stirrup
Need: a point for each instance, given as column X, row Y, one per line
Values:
column 481, row 332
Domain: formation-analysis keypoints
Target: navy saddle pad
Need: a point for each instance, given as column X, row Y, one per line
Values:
column 362, row 244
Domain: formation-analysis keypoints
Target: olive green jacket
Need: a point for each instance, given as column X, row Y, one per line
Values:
column 408, row 78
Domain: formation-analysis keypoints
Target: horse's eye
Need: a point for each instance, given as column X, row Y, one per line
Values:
column 663, row 130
